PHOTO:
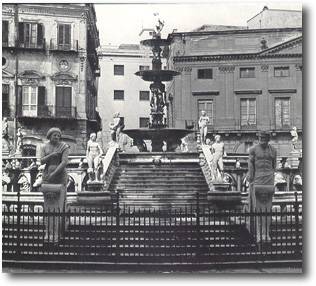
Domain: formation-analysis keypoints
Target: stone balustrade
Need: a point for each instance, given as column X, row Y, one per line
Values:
column 21, row 172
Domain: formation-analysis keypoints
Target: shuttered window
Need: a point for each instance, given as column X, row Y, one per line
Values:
column 5, row 33
column 29, row 100
column 30, row 35
column 282, row 112
column 248, row 111
column 118, row 69
column 5, row 100
column 64, row 36
column 205, row 73
column 118, row 94
column 63, row 101
column 143, row 122
column 143, row 95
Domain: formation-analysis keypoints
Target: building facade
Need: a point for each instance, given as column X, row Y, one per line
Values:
column 120, row 90
column 50, row 72
column 245, row 79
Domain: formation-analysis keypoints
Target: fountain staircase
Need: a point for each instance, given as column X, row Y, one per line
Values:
column 171, row 182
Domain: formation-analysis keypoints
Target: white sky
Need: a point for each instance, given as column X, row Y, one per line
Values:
column 122, row 23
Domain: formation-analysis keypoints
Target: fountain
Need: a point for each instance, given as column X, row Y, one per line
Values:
column 157, row 131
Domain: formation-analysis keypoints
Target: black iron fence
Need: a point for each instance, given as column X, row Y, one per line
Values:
column 190, row 235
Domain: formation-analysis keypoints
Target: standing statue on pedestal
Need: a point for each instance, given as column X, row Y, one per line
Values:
column 261, row 168
column 94, row 152
column 5, row 128
column 19, row 141
column 115, row 127
column 203, row 122
column 218, row 151
column 55, row 155
column 294, row 137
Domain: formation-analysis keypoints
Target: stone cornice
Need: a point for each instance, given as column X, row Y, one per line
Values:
column 211, row 92
column 282, row 90
column 228, row 57
column 248, row 91
column 229, row 32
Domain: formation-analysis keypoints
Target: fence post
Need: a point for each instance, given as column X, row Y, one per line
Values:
column 198, row 221
column 297, row 234
column 117, row 223
column 18, row 223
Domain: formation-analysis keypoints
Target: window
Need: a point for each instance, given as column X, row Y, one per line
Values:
column 207, row 106
column 247, row 72
column 118, row 94
column 29, row 100
column 63, row 101
column 64, row 36
column 118, row 69
column 144, row 95
column 5, row 33
column 30, row 35
column 143, row 122
column 143, row 68
column 248, row 112
column 281, row 71
column 5, row 100
column 205, row 73
column 282, row 112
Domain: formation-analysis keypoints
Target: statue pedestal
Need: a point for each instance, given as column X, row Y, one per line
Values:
column 261, row 203
column 293, row 159
column 222, row 198
column 54, row 203
column 95, row 195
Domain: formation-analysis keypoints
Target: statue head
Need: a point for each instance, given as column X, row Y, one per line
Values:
column 203, row 113
column 53, row 134
column 116, row 115
column 217, row 138
column 264, row 138
column 93, row 136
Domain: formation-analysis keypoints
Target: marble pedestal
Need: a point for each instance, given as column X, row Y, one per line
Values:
column 54, row 203
column 222, row 198
column 94, row 195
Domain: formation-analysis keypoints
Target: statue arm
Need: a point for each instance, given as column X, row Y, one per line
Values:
column 43, row 157
column 88, row 149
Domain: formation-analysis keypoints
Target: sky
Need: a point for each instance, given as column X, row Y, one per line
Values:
column 122, row 23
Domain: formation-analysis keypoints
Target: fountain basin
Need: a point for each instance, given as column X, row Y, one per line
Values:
column 171, row 136
column 157, row 75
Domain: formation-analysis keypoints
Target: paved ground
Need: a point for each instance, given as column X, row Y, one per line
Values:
column 226, row 271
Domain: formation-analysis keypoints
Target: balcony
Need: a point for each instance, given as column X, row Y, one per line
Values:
column 48, row 111
column 31, row 46
column 72, row 47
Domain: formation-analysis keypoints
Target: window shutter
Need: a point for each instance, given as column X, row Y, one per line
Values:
column 67, row 96
column 19, row 107
column 67, row 34
column 60, row 34
column 21, row 32
column 41, row 96
column 39, row 34
column 5, row 31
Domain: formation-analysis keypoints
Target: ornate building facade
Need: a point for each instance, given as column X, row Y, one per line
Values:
column 50, row 72
column 245, row 79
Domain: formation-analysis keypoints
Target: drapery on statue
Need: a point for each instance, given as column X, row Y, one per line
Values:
column 218, row 151
column 19, row 140
column 116, row 127
column 203, row 121
column 55, row 155
column 261, row 168
column 94, row 152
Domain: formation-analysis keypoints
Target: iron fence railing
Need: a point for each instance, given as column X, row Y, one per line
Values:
column 193, row 233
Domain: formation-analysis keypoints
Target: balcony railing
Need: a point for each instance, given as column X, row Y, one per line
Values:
column 73, row 47
column 27, row 45
column 49, row 111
